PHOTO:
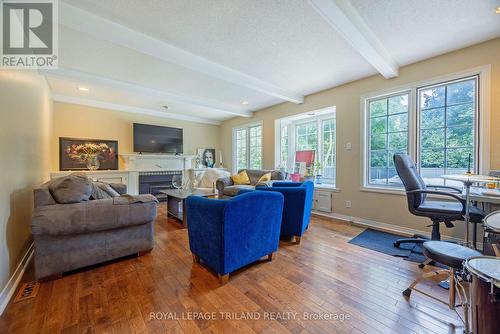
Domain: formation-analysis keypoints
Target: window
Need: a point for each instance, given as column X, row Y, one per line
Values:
column 241, row 149
column 388, row 124
column 247, row 147
column 436, row 123
column 309, row 132
column 255, row 161
column 447, row 130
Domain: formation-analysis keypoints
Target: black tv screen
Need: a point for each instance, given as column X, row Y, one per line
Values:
column 157, row 139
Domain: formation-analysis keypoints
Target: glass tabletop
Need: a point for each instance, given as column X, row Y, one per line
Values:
column 185, row 193
column 471, row 178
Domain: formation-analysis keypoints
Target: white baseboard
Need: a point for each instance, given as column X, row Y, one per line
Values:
column 9, row 289
column 405, row 231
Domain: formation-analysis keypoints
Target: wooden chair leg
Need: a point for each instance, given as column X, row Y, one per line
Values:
column 270, row 256
column 297, row 239
column 223, row 278
column 496, row 249
column 452, row 293
column 196, row 258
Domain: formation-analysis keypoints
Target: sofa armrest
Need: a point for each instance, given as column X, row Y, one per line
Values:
column 90, row 216
column 119, row 187
column 223, row 182
column 42, row 196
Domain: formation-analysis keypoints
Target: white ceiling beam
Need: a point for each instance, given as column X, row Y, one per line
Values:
column 101, row 28
column 84, row 77
column 129, row 109
column 344, row 18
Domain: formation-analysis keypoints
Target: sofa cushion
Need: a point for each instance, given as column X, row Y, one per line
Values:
column 241, row 178
column 90, row 216
column 101, row 190
column 234, row 190
column 265, row 178
column 73, row 188
column 256, row 174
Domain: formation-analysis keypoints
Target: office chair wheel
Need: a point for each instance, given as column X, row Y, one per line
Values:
column 396, row 244
column 407, row 293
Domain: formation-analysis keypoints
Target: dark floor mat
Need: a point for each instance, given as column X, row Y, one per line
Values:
column 383, row 242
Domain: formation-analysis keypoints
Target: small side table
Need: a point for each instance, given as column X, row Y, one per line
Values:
column 176, row 201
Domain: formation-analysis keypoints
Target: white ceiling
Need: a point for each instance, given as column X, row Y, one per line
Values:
column 202, row 58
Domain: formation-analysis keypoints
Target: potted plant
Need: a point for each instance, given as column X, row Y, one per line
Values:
column 309, row 176
column 317, row 171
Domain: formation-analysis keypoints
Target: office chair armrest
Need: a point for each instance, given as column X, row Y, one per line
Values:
column 458, row 190
column 441, row 193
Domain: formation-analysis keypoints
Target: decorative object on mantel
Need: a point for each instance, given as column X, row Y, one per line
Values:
column 91, row 154
column 207, row 157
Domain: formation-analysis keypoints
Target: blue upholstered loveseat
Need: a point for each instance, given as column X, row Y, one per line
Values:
column 297, row 206
column 229, row 234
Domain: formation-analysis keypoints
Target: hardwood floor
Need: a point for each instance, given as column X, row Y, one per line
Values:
column 164, row 292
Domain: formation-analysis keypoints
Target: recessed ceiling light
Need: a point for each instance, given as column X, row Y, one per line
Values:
column 83, row 89
column 497, row 10
column 245, row 103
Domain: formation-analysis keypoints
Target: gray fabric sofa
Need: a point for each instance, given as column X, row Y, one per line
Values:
column 75, row 235
column 227, row 188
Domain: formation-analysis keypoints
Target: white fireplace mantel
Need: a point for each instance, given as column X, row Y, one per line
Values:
column 156, row 162
column 134, row 165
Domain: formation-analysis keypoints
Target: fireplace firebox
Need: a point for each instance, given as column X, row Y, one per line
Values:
column 154, row 182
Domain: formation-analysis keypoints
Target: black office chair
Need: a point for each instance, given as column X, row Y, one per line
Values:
column 439, row 211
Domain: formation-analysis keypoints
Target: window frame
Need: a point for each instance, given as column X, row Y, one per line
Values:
column 369, row 134
column 246, row 128
column 482, row 122
column 292, row 134
column 475, row 125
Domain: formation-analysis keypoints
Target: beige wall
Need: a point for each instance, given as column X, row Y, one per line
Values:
column 25, row 129
column 384, row 208
column 77, row 121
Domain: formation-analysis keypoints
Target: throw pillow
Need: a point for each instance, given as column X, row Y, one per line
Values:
column 210, row 176
column 74, row 188
column 101, row 190
column 241, row 178
column 264, row 178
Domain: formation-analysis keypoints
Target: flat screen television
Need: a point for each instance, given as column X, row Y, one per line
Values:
column 157, row 139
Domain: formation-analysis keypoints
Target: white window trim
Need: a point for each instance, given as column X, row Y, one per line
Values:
column 291, row 139
column 484, row 104
column 233, row 143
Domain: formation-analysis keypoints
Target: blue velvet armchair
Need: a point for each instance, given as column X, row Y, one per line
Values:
column 297, row 207
column 229, row 234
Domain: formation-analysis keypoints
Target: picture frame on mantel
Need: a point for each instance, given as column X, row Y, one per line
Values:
column 70, row 157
